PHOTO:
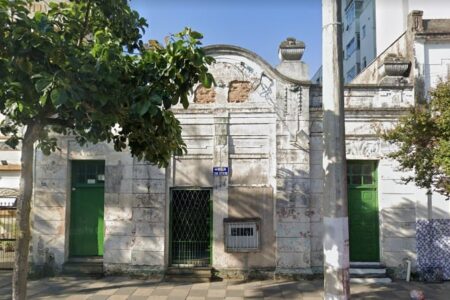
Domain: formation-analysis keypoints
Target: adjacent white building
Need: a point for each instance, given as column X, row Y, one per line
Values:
column 371, row 26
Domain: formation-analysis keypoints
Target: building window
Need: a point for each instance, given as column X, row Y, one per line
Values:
column 363, row 31
column 350, row 13
column 350, row 74
column 241, row 235
column 350, row 48
column 364, row 62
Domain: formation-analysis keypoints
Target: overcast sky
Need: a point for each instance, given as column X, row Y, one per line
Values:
column 258, row 25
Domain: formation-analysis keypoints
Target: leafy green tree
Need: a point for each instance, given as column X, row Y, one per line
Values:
column 423, row 139
column 65, row 71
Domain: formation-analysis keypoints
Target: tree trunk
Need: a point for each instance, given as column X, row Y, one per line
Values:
column 20, row 273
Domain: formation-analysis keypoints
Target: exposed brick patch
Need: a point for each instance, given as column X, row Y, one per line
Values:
column 204, row 95
column 239, row 91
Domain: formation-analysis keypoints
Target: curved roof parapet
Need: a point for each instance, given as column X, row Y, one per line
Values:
column 221, row 49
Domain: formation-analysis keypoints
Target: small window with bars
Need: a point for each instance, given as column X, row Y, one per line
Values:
column 242, row 235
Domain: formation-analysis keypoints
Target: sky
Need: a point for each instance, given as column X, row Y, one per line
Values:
column 257, row 25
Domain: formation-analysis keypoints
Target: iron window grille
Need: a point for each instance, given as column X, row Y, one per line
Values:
column 242, row 235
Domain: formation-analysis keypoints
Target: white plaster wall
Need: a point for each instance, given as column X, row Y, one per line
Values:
column 390, row 22
column 391, row 17
column 11, row 156
column 436, row 63
column 397, row 206
column 134, row 210
column 9, row 179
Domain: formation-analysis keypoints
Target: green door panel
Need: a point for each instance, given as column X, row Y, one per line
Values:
column 87, row 211
column 363, row 212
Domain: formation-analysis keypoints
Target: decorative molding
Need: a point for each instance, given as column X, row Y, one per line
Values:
column 363, row 148
column 226, row 72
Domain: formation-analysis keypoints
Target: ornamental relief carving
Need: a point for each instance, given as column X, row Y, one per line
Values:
column 226, row 72
column 363, row 148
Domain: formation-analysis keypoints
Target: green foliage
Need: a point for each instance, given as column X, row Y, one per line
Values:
column 66, row 71
column 423, row 138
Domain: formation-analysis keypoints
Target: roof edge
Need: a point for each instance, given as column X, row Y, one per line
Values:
column 236, row 50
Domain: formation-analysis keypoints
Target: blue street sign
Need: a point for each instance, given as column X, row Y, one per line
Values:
column 220, row 171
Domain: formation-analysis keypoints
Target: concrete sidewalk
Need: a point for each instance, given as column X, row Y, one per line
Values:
column 118, row 288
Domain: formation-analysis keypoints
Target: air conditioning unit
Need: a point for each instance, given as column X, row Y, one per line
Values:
column 242, row 235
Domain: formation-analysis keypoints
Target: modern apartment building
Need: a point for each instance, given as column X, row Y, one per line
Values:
column 371, row 26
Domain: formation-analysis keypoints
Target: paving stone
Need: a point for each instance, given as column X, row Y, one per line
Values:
column 99, row 297
column 161, row 292
column 118, row 297
column 73, row 288
column 143, row 291
column 78, row 297
column 178, row 293
column 234, row 293
column 198, row 292
column 106, row 291
column 200, row 286
column 125, row 291
column 138, row 297
column 216, row 293
column 218, row 285
column 158, row 297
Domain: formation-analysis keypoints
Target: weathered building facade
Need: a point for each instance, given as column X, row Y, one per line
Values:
column 247, row 196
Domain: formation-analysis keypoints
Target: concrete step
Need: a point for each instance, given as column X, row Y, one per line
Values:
column 83, row 268
column 188, row 274
column 384, row 280
column 363, row 271
column 368, row 273
column 86, row 259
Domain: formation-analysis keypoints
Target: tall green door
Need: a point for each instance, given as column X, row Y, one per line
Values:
column 363, row 211
column 86, row 209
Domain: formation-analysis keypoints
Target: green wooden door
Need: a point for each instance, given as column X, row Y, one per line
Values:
column 86, row 210
column 363, row 211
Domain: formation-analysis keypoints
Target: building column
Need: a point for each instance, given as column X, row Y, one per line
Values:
column 220, row 188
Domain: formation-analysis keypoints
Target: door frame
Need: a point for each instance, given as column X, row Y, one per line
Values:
column 70, row 186
column 211, row 204
column 376, row 186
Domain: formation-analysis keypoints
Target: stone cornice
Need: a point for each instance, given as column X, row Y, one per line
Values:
column 235, row 50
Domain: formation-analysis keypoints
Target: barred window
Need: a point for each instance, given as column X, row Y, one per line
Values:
column 242, row 235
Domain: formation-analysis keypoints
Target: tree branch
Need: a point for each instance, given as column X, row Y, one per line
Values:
column 59, row 122
column 85, row 23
